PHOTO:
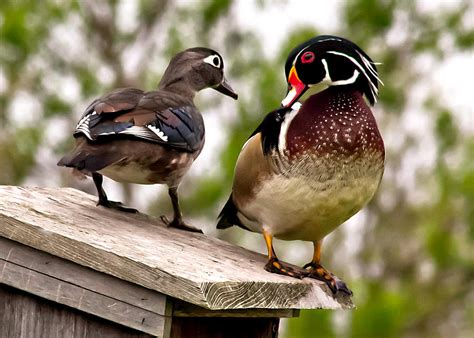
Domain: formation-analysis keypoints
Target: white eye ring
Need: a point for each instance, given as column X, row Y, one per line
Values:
column 214, row 60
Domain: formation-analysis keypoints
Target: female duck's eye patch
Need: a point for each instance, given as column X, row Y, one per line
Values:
column 213, row 60
column 307, row 57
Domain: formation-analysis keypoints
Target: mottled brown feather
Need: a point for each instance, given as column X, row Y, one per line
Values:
column 139, row 107
column 122, row 99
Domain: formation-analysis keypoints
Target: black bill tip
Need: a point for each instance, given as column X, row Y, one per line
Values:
column 225, row 88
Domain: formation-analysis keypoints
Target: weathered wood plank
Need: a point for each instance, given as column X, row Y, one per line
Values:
column 118, row 289
column 82, row 299
column 139, row 249
column 23, row 315
column 86, row 278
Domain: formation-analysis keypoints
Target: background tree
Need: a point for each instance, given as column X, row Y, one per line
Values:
column 408, row 257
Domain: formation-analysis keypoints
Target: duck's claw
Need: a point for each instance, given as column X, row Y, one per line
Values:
column 179, row 224
column 116, row 205
column 318, row 272
column 275, row 266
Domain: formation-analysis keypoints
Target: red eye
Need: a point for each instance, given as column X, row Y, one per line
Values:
column 307, row 57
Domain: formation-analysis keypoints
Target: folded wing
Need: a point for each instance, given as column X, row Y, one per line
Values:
column 150, row 116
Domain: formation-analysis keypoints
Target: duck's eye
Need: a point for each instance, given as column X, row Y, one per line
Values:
column 213, row 60
column 307, row 57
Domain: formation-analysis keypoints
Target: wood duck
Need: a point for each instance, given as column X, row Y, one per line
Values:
column 134, row 136
column 310, row 166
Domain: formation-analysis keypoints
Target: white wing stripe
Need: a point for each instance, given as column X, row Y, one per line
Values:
column 85, row 130
column 137, row 131
column 83, row 125
column 82, row 121
column 146, row 132
column 158, row 132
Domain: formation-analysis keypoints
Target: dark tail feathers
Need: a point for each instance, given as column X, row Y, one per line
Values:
column 85, row 161
column 228, row 216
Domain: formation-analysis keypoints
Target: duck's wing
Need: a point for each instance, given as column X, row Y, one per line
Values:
column 151, row 116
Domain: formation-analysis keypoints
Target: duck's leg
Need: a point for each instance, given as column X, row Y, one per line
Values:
column 177, row 221
column 317, row 271
column 103, row 200
column 275, row 266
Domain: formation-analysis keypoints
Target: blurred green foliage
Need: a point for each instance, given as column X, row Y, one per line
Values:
column 413, row 272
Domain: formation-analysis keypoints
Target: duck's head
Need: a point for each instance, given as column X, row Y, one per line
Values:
column 197, row 68
column 326, row 61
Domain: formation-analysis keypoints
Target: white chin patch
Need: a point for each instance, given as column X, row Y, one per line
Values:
column 289, row 98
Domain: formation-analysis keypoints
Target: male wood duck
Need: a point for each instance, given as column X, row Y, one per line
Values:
column 310, row 166
column 134, row 136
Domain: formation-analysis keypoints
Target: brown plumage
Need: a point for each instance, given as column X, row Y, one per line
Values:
column 134, row 136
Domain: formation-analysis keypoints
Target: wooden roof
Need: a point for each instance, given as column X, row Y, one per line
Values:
column 194, row 268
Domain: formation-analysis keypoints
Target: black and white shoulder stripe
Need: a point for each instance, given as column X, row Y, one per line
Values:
column 175, row 127
column 274, row 127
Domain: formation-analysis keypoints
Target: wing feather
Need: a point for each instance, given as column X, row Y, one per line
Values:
column 152, row 116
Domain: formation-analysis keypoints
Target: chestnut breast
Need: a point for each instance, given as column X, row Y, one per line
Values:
column 332, row 164
column 338, row 123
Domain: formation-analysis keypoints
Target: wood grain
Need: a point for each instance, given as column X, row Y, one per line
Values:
column 82, row 299
column 112, row 287
column 23, row 315
column 139, row 249
column 86, row 278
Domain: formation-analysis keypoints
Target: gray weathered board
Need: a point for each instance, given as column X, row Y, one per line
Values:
column 139, row 249
column 84, row 289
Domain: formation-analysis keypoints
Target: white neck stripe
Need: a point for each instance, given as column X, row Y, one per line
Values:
column 350, row 80
column 373, row 88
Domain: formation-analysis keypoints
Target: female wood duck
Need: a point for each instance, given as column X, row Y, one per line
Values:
column 309, row 167
column 134, row 136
